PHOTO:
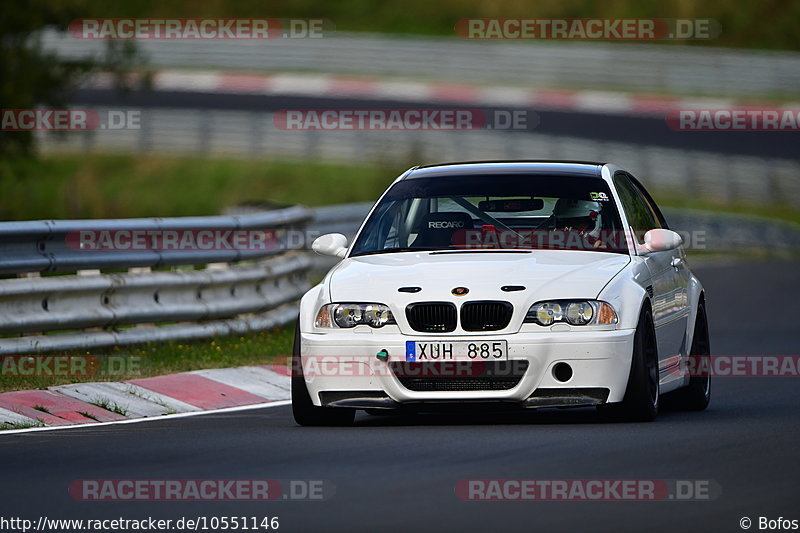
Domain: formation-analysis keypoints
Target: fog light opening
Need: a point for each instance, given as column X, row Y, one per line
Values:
column 562, row 372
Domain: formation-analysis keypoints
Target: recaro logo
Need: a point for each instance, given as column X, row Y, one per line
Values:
column 446, row 225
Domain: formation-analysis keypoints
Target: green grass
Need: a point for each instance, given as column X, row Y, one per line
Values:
column 783, row 212
column 156, row 359
column 119, row 186
column 21, row 425
column 108, row 405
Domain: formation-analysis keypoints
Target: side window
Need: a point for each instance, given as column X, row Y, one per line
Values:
column 640, row 216
column 659, row 218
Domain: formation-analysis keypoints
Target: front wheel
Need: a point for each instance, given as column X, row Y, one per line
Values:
column 643, row 392
column 304, row 411
column 697, row 394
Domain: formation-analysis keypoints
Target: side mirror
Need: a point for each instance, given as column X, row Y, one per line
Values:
column 334, row 244
column 661, row 240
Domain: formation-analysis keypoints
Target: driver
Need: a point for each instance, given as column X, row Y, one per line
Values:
column 581, row 216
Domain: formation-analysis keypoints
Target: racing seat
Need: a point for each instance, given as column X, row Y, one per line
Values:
column 437, row 229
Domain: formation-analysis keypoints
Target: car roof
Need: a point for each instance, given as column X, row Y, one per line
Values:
column 573, row 168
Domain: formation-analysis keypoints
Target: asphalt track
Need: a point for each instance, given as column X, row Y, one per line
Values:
column 398, row 473
column 638, row 130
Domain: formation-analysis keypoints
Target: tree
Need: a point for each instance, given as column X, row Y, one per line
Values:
column 31, row 76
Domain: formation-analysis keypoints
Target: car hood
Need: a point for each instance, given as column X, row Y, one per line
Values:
column 545, row 274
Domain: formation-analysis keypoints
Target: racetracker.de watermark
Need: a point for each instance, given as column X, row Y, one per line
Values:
column 604, row 490
column 588, row 29
column 185, row 240
column 69, row 119
column 266, row 240
column 86, row 490
column 198, row 28
column 738, row 366
column 491, row 237
column 432, row 361
column 69, row 365
column 752, row 119
column 404, row 119
column 431, row 365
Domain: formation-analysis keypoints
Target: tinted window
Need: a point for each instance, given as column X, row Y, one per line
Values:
column 640, row 216
column 494, row 211
column 658, row 216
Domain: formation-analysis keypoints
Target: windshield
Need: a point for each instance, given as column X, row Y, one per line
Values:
column 518, row 212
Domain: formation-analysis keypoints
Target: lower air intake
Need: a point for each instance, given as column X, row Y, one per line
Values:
column 460, row 375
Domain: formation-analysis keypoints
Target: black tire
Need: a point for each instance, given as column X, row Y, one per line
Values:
column 697, row 394
column 304, row 411
column 643, row 393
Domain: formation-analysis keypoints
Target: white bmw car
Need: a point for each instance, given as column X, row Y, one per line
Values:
column 526, row 284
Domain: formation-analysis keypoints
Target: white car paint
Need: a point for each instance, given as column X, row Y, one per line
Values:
column 599, row 355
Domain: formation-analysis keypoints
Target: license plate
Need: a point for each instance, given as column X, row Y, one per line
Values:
column 456, row 351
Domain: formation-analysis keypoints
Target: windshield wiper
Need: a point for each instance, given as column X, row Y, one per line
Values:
column 393, row 250
column 485, row 251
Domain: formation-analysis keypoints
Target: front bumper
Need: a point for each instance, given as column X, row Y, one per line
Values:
column 344, row 367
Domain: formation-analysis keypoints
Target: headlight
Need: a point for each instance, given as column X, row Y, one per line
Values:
column 574, row 312
column 579, row 313
column 350, row 315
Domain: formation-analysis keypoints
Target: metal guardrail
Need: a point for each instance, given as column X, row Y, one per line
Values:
column 256, row 292
column 630, row 67
column 234, row 292
column 43, row 246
